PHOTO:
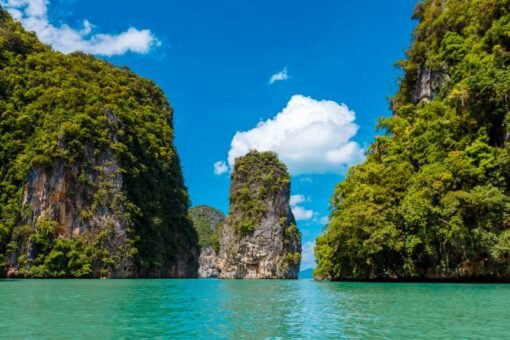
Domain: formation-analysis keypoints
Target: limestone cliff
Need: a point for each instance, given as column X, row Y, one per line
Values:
column 431, row 200
column 260, row 239
column 90, row 182
column 207, row 222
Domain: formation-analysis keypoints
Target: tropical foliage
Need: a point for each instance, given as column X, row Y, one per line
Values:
column 432, row 198
column 54, row 108
column 208, row 223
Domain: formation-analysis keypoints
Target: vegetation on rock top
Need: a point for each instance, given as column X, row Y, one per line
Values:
column 256, row 177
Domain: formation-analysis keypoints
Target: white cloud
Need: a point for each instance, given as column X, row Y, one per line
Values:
column 297, row 199
column 324, row 220
column 301, row 214
column 307, row 256
column 220, row 167
column 282, row 75
column 310, row 136
column 33, row 15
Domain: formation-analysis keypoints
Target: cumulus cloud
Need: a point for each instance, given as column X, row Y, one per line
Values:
column 297, row 199
column 33, row 15
column 307, row 256
column 282, row 75
column 310, row 136
column 220, row 167
column 300, row 213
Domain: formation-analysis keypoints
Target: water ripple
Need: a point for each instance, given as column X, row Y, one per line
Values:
column 250, row 309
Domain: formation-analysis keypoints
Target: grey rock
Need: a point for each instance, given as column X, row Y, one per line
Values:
column 429, row 83
column 208, row 263
column 272, row 250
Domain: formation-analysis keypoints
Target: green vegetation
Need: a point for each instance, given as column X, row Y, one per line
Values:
column 432, row 198
column 73, row 109
column 256, row 177
column 292, row 259
column 63, row 257
column 207, row 222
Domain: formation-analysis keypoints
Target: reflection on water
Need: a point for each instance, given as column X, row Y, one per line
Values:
column 254, row 309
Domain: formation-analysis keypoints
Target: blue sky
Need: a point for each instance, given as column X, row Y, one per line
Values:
column 215, row 61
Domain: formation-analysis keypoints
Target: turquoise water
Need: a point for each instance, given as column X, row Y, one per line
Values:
column 254, row 309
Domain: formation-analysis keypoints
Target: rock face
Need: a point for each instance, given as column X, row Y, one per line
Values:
column 58, row 194
column 207, row 222
column 208, row 263
column 428, row 84
column 260, row 239
column 90, row 181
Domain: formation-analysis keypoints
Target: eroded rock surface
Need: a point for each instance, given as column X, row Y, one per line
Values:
column 429, row 84
column 260, row 239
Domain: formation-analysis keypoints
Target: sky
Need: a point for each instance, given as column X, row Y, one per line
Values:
column 306, row 79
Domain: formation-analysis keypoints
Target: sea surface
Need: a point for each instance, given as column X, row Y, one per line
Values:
column 111, row 309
